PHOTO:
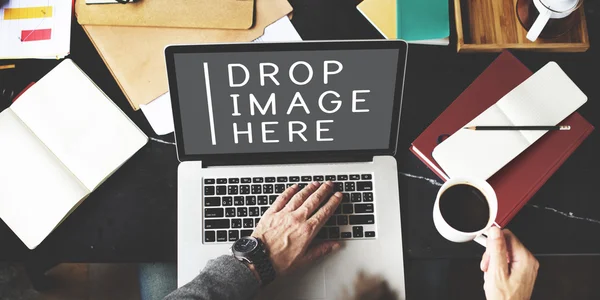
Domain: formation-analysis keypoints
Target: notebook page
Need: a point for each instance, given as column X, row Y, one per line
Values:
column 547, row 98
column 36, row 190
column 79, row 124
column 475, row 153
column 35, row 29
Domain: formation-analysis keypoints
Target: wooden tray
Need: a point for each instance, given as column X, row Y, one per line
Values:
column 496, row 27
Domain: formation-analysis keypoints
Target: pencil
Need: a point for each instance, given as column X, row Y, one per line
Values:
column 560, row 127
column 5, row 67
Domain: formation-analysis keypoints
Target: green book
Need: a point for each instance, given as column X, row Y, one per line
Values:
column 420, row 20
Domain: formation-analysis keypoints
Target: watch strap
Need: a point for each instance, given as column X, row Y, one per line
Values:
column 263, row 265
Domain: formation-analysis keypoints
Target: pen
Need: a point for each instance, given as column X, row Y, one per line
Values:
column 560, row 127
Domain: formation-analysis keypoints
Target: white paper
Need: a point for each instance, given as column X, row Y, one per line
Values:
column 281, row 30
column 14, row 43
column 88, row 133
column 36, row 190
column 159, row 112
column 544, row 99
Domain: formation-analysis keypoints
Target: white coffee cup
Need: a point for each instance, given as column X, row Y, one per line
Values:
column 550, row 9
column 457, row 236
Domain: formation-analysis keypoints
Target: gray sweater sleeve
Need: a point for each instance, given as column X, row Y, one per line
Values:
column 223, row 278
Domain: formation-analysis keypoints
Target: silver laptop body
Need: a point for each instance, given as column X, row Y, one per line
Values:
column 215, row 183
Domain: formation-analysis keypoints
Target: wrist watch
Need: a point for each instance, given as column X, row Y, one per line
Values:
column 251, row 250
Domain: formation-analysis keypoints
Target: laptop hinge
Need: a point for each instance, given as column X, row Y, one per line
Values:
column 299, row 160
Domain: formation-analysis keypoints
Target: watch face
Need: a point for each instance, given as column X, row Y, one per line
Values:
column 245, row 245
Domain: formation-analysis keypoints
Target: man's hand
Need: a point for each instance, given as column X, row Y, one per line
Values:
column 288, row 227
column 510, row 269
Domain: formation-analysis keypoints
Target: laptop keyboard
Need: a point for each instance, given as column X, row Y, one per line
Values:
column 233, row 206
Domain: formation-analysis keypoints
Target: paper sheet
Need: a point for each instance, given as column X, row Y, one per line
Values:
column 35, row 29
column 281, row 30
column 159, row 112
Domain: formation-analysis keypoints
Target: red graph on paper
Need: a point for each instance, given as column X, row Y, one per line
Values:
column 36, row 35
column 35, row 28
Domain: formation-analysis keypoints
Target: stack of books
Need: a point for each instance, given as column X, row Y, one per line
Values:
column 415, row 21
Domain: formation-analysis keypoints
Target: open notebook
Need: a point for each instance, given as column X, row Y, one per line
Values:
column 545, row 98
column 60, row 140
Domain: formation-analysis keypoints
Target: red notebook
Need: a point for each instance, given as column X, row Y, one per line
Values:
column 518, row 181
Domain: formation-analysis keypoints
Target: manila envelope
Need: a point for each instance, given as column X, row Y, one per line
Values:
column 135, row 55
column 223, row 14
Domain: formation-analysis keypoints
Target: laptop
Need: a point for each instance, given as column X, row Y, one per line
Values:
column 252, row 119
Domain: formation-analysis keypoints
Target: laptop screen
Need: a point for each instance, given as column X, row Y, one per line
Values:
column 286, row 101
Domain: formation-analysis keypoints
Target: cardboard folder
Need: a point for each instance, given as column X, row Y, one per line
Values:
column 140, row 71
column 224, row 14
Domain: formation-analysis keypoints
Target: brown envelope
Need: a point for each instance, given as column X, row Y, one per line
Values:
column 135, row 55
column 223, row 14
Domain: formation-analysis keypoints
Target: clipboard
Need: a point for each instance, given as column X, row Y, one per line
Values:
column 224, row 14
column 141, row 72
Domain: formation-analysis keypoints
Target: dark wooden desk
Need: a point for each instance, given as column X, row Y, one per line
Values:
column 132, row 216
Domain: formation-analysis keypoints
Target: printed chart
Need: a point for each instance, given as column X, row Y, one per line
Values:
column 35, row 29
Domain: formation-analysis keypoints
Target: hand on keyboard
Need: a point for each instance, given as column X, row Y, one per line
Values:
column 289, row 226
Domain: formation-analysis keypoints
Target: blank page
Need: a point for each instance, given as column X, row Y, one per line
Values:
column 548, row 98
column 36, row 190
column 545, row 98
column 79, row 124
column 477, row 153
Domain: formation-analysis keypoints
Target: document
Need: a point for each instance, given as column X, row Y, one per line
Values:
column 35, row 29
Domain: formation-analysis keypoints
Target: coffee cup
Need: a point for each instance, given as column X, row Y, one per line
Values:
column 465, row 208
column 549, row 10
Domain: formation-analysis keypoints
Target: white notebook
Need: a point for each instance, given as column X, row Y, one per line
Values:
column 59, row 141
column 545, row 98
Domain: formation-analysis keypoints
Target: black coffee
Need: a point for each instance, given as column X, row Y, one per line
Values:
column 464, row 208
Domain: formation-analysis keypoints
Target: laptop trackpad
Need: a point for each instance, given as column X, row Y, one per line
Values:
column 302, row 284
column 308, row 284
